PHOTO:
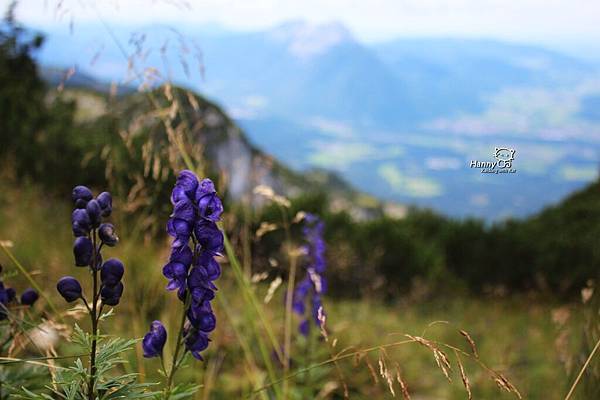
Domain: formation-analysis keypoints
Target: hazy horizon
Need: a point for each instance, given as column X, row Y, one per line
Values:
column 561, row 25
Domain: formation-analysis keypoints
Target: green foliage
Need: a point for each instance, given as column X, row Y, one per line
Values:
column 71, row 382
column 14, row 377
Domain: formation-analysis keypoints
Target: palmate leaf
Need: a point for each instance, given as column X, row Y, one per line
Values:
column 72, row 383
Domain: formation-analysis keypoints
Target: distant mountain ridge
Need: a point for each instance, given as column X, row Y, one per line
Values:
column 407, row 115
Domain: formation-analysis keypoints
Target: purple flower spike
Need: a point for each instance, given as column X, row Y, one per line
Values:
column 29, row 297
column 314, row 284
column 69, row 288
column 154, row 341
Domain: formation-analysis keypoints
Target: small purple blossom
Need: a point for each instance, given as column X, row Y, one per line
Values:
column 111, row 295
column 105, row 201
column 107, row 234
column 95, row 212
column 112, row 271
column 83, row 250
column 154, row 341
column 29, row 297
column 69, row 288
column 196, row 341
column 81, row 195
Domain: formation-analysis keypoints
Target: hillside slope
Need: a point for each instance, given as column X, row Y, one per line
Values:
column 241, row 166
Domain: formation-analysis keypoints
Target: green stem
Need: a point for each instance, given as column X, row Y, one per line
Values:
column 94, row 318
column 175, row 362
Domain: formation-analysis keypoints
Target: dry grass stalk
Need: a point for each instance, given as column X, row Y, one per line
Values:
column 471, row 342
column 273, row 288
column 505, row 384
column 264, row 228
column 403, row 385
column 440, row 357
column 463, row 375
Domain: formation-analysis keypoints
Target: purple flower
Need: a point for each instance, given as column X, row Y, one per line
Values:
column 187, row 182
column 69, row 288
column 29, row 297
column 196, row 208
column 94, row 211
column 81, row 195
column 202, row 317
column 176, row 270
column 81, row 223
column 154, row 341
column 105, row 201
column 112, row 272
column 83, row 250
column 209, row 236
column 209, row 204
column 107, row 234
column 195, row 342
column 111, row 295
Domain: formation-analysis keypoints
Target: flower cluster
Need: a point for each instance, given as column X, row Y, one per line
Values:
column 91, row 234
column 314, row 284
column 8, row 298
column 192, row 267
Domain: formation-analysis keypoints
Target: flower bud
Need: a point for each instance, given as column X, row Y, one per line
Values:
column 107, row 234
column 105, row 201
column 209, row 204
column 29, row 297
column 83, row 250
column 154, row 341
column 81, row 195
column 209, row 236
column 81, row 223
column 94, row 211
column 111, row 294
column 195, row 342
column 202, row 318
column 69, row 288
column 112, row 272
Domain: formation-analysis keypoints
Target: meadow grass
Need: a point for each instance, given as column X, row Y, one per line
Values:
column 517, row 336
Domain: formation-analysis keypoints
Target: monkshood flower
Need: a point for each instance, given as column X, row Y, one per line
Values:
column 8, row 299
column 154, row 341
column 91, row 235
column 192, row 267
column 313, row 285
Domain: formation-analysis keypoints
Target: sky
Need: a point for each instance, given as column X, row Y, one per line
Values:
column 535, row 21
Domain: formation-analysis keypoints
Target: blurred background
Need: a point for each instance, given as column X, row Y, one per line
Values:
column 374, row 115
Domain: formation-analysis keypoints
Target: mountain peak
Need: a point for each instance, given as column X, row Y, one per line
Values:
column 306, row 40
